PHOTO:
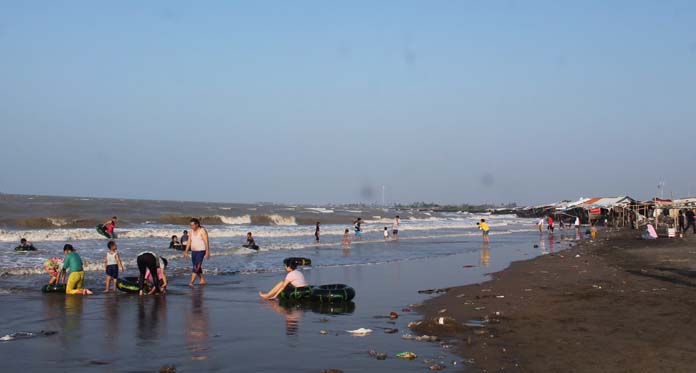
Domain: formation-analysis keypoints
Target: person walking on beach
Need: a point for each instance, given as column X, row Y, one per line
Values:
column 73, row 263
column 395, row 227
column 690, row 221
column 577, row 223
column 316, row 232
column 540, row 225
column 483, row 226
column 358, row 228
column 112, row 263
column 681, row 221
column 550, row 226
column 199, row 246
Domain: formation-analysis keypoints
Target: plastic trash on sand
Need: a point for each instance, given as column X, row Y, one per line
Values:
column 407, row 355
column 360, row 332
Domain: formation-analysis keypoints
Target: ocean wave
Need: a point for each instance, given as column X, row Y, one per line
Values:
column 235, row 220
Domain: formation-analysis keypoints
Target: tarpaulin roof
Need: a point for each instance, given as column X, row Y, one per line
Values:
column 605, row 202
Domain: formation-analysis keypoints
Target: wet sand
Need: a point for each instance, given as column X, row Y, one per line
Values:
column 618, row 304
column 225, row 326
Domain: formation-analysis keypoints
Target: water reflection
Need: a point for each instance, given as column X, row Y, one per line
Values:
column 485, row 255
column 197, row 326
column 152, row 317
column 111, row 319
column 292, row 316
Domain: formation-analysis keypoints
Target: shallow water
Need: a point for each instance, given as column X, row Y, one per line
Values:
column 226, row 327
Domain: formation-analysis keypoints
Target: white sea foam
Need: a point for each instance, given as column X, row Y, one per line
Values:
column 235, row 220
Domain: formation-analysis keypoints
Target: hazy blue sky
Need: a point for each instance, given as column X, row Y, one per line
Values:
column 304, row 101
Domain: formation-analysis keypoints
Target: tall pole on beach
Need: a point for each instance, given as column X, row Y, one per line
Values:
column 383, row 195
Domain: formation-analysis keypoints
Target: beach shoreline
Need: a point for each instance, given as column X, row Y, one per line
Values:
column 614, row 304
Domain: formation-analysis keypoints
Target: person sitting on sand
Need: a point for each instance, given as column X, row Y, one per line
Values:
column 25, row 245
column 294, row 278
column 174, row 243
column 650, row 233
column 73, row 263
column 109, row 227
column 54, row 267
column 250, row 243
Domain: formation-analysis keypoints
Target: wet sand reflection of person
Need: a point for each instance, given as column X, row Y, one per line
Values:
column 197, row 326
column 111, row 321
column 485, row 254
column 153, row 318
column 292, row 315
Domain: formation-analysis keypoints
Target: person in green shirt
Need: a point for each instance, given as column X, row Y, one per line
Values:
column 73, row 263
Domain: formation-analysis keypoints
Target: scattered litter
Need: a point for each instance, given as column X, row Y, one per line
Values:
column 360, row 332
column 536, row 246
column 407, row 337
column 461, row 295
column 485, row 290
column 377, row 355
column 431, row 291
column 441, row 321
column 427, row 338
column 437, row 367
column 406, row 355
column 167, row 369
column 474, row 324
column 22, row 335
column 577, row 255
column 479, row 308
column 500, row 296
column 597, row 286
column 405, row 310
column 323, row 332
column 442, row 310
column 323, row 319
column 469, row 266
column 393, row 315
column 391, row 330
column 413, row 324
column 480, row 331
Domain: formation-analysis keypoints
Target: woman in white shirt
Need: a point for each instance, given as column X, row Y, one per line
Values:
column 294, row 278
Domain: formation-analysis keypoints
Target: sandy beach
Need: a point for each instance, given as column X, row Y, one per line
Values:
column 617, row 304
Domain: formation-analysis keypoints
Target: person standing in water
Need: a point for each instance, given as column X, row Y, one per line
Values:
column 395, row 227
column 199, row 246
column 358, row 228
column 109, row 227
column 483, row 226
column 73, row 263
column 316, row 232
column 550, row 221
column 112, row 262
column 184, row 238
column 346, row 238
column 577, row 223
column 540, row 225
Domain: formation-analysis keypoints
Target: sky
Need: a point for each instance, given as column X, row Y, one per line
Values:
column 326, row 102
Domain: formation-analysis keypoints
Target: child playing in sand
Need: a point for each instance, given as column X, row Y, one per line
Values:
column 112, row 263
column 346, row 238
column 386, row 233
column 593, row 231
